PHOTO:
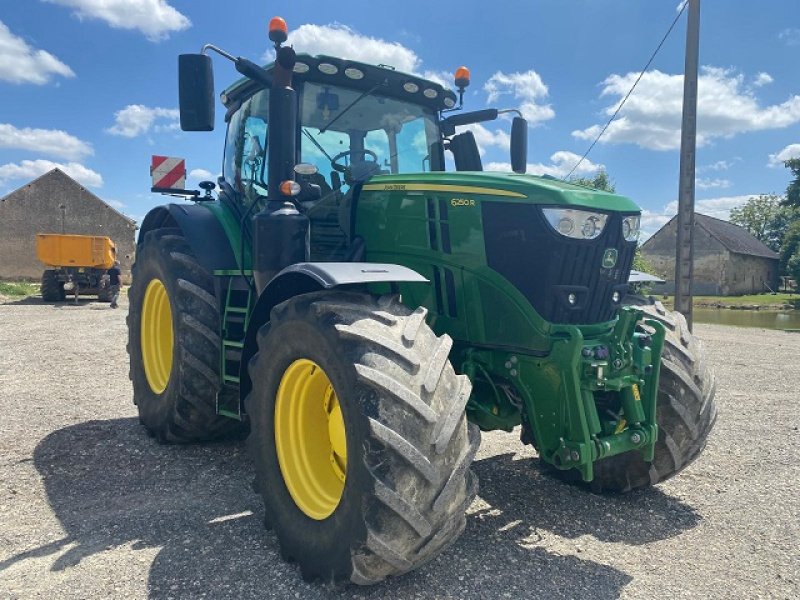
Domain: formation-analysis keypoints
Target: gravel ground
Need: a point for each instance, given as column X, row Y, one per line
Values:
column 90, row 507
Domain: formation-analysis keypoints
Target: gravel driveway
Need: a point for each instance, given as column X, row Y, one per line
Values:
column 90, row 507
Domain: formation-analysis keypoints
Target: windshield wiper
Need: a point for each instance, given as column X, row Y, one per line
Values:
column 352, row 104
column 314, row 141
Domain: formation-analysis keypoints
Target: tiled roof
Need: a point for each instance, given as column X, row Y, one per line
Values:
column 735, row 238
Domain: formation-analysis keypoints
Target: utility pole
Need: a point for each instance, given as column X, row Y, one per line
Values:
column 684, row 259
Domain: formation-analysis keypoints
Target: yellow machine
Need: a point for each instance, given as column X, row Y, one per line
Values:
column 76, row 264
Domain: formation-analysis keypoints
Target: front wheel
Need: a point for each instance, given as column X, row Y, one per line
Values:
column 359, row 436
column 52, row 289
column 685, row 413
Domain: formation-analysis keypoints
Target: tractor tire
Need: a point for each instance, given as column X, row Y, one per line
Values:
column 104, row 293
column 686, row 414
column 388, row 488
column 52, row 289
column 174, row 344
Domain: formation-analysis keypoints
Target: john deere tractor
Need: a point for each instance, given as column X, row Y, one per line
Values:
column 365, row 299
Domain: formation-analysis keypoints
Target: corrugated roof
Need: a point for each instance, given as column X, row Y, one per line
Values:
column 734, row 238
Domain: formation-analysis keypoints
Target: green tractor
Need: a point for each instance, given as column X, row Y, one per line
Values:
column 365, row 313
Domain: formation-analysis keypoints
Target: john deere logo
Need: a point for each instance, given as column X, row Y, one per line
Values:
column 610, row 258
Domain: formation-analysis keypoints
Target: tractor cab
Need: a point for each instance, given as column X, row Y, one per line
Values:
column 354, row 121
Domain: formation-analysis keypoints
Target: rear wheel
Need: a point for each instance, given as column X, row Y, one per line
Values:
column 359, row 436
column 686, row 414
column 52, row 289
column 173, row 342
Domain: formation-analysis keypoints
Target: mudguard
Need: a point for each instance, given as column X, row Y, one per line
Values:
column 202, row 231
column 303, row 278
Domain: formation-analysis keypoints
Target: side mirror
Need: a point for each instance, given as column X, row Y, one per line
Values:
column 519, row 145
column 196, row 92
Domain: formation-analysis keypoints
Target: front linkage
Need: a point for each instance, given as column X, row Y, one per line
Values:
column 590, row 397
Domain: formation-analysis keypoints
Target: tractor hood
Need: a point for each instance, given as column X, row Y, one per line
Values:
column 510, row 187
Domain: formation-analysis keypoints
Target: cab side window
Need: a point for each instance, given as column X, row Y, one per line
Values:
column 245, row 165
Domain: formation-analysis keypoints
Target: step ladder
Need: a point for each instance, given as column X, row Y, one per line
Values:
column 235, row 319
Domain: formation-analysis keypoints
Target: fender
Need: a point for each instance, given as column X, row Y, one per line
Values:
column 304, row 278
column 202, row 231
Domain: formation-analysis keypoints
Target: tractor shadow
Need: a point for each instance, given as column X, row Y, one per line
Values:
column 538, row 502
column 110, row 485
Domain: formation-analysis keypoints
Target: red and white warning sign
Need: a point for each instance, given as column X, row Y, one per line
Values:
column 168, row 172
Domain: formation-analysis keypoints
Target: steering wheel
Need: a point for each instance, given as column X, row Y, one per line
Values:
column 337, row 166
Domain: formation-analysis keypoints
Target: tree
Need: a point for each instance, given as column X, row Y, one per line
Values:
column 791, row 245
column 793, row 191
column 764, row 217
column 601, row 181
column 793, row 268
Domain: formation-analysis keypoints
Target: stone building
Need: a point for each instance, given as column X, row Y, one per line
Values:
column 56, row 203
column 728, row 259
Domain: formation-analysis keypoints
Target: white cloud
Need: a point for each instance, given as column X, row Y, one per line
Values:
column 652, row 116
column 762, row 79
column 704, row 183
column 720, row 165
column 790, row 36
column 790, row 151
column 31, row 169
column 201, row 175
column 443, row 78
column 136, row 119
column 561, row 163
column 336, row 39
column 719, row 208
column 20, row 63
column 486, row 138
column 527, row 87
column 53, row 142
column 156, row 19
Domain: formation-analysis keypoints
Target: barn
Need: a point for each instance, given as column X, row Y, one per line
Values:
column 728, row 259
column 56, row 203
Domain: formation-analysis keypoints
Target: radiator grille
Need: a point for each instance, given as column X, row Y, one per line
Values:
column 547, row 267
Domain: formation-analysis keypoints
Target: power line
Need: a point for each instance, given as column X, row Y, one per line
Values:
column 633, row 87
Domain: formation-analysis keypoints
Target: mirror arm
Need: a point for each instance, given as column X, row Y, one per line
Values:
column 246, row 67
column 505, row 111
column 219, row 51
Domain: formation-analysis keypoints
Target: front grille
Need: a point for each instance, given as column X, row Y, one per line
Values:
column 547, row 267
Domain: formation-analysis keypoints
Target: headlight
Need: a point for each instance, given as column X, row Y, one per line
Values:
column 630, row 228
column 578, row 224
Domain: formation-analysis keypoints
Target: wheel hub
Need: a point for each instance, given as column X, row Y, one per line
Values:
column 310, row 439
column 156, row 336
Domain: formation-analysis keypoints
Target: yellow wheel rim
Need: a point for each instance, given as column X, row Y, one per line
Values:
column 156, row 336
column 310, row 439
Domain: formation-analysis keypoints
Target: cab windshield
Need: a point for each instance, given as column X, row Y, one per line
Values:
column 348, row 135
column 368, row 134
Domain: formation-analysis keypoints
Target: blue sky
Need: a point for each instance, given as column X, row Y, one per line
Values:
column 91, row 84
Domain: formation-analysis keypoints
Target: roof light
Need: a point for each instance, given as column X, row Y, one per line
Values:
column 278, row 30
column 328, row 68
column 354, row 73
column 430, row 93
column 411, row 87
column 462, row 77
column 449, row 102
column 301, row 67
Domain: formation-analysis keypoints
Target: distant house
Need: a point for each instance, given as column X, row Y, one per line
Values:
column 728, row 259
column 56, row 203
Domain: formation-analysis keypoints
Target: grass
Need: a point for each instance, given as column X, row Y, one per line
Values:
column 18, row 289
column 761, row 300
